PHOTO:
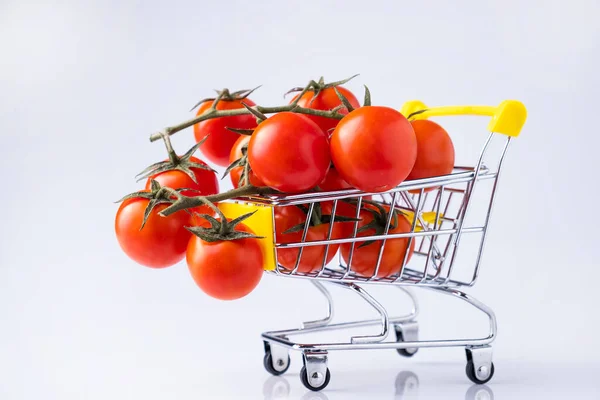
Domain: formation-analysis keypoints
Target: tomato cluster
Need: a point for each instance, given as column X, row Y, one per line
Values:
column 225, row 269
column 372, row 221
column 372, row 148
column 323, row 140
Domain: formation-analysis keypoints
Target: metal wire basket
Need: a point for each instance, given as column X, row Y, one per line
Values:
column 438, row 209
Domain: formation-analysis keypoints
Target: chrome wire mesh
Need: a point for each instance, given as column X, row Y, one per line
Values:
column 446, row 201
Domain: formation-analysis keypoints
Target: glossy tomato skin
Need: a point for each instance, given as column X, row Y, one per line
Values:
column 435, row 151
column 333, row 181
column 228, row 269
column 374, row 148
column 312, row 256
column 220, row 140
column 337, row 232
column 289, row 153
column 236, row 154
column 364, row 259
column 326, row 100
column 205, row 185
column 163, row 240
column 343, row 209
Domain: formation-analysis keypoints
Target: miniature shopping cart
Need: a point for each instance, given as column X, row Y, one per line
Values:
column 445, row 212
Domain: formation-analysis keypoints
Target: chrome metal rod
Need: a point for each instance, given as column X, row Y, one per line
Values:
column 469, row 194
column 344, row 325
column 339, row 277
column 433, row 246
column 489, row 213
column 304, row 233
column 385, row 232
column 420, row 217
column 416, row 184
column 413, row 298
column 376, row 237
column 354, row 233
column 378, row 307
column 417, row 211
column 280, row 336
column 329, row 233
column 467, row 201
column 329, row 317
column 273, row 336
column 475, row 303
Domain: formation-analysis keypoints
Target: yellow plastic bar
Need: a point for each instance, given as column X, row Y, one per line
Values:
column 508, row 118
column 428, row 217
column 261, row 223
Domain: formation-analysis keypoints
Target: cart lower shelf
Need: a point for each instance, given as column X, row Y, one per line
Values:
column 315, row 374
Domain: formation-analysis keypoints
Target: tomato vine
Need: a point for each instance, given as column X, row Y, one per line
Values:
column 181, row 202
column 212, row 112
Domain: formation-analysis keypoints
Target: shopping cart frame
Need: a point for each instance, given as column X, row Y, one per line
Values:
column 411, row 197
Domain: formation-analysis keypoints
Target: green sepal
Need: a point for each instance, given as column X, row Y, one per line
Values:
column 367, row 100
column 222, row 229
column 227, row 96
column 183, row 164
column 344, row 100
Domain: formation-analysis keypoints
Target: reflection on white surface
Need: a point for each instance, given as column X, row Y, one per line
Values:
column 406, row 388
column 314, row 396
column 407, row 385
column 276, row 388
column 479, row 392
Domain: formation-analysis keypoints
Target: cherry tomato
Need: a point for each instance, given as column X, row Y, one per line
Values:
column 205, row 185
column 227, row 269
column 364, row 259
column 343, row 209
column 312, row 256
column 289, row 153
column 374, row 148
column 435, row 151
column 218, row 145
column 333, row 181
column 327, row 99
column 163, row 240
column 235, row 173
column 338, row 232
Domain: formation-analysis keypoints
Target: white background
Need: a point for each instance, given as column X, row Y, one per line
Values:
column 83, row 84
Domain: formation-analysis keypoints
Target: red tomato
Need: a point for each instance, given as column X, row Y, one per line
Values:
column 218, row 145
column 289, row 153
column 435, row 151
column 338, row 232
column 228, row 269
column 163, row 240
column 312, row 256
column 235, row 173
column 364, row 258
column 333, row 181
column 326, row 100
column 374, row 148
column 343, row 209
column 205, row 185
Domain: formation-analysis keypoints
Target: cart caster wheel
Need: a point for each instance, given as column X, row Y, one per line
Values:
column 480, row 368
column 305, row 382
column 280, row 366
column 485, row 373
column 407, row 332
column 276, row 360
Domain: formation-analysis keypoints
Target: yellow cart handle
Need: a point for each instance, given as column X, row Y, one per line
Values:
column 508, row 118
